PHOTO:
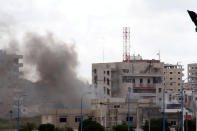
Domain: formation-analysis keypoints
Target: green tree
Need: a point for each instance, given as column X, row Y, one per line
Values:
column 46, row 127
column 122, row 127
column 63, row 129
column 89, row 125
column 190, row 125
column 156, row 125
column 28, row 127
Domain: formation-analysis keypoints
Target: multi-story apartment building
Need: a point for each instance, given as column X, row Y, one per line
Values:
column 192, row 75
column 144, row 77
column 173, row 75
column 9, row 80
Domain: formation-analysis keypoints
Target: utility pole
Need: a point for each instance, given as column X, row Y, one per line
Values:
column 129, row 92
column 18, row 118
column 164, row 108
column 182, row 124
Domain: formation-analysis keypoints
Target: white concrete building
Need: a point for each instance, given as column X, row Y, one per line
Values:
column 143, row 76
column 173, row 77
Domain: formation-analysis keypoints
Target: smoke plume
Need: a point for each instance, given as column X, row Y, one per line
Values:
column 55, row 64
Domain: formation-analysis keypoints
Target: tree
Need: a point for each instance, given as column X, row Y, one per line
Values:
column 28, row 127
column 190, row 125
column 156, row 125
column 122, row 127
column 46, row 127
column 89, row 125
column 63, row 129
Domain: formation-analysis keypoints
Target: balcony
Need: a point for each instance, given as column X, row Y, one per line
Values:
column 144, row 89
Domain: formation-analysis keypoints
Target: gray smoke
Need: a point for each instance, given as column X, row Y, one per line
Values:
column 49, row 63
column 55, row 63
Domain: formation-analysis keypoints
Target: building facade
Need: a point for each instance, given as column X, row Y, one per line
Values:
column 144, row 77
column 192, row 75
column 173, row 77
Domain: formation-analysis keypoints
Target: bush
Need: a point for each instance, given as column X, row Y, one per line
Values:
column 63, row 129
column 122, row 127
column 28, row 127
column 46, row 127
column 89, row 125
column 156, row 125
column 190, row 124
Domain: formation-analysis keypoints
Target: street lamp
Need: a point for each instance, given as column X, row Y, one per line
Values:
column 18, row 118
column 129, row 92
column 82, row 108
column 164, row 108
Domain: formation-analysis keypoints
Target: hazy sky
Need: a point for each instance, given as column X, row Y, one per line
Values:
column 96, row 27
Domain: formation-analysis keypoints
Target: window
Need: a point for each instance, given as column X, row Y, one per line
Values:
column 104, row 89
column 173, row 123
column 95, row 71
column 107, row 72
column 179, row 84
column 170, row 72
column 95, row 79
column 62, row 119
column 159, row 90
column 148, row 81
column 116, row 106
column 104, row 79
column 125, row 70
column 108, row 91
column 179, row 72
column 141, row 81
column 179, row 78
column 104, row 72
column 126, row 79
column 130, row 118
column 77, row 119
column 171, row 84
column 107, row 81
column 133, row 81
column 170, row 78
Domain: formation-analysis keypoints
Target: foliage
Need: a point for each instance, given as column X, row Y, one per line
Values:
column 190, row 125
column 63, row 129
column 7, row 123
column 46, row 127
column 156, row 125
column 89, row 125
column 122, row 127
column 28, row 127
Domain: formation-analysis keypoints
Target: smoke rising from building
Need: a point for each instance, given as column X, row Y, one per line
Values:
column 55, row 63
column 49, row 77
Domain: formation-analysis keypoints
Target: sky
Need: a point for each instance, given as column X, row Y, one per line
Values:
column 95, row 27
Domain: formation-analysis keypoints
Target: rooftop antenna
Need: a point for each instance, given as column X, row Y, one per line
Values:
column 126, row 44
